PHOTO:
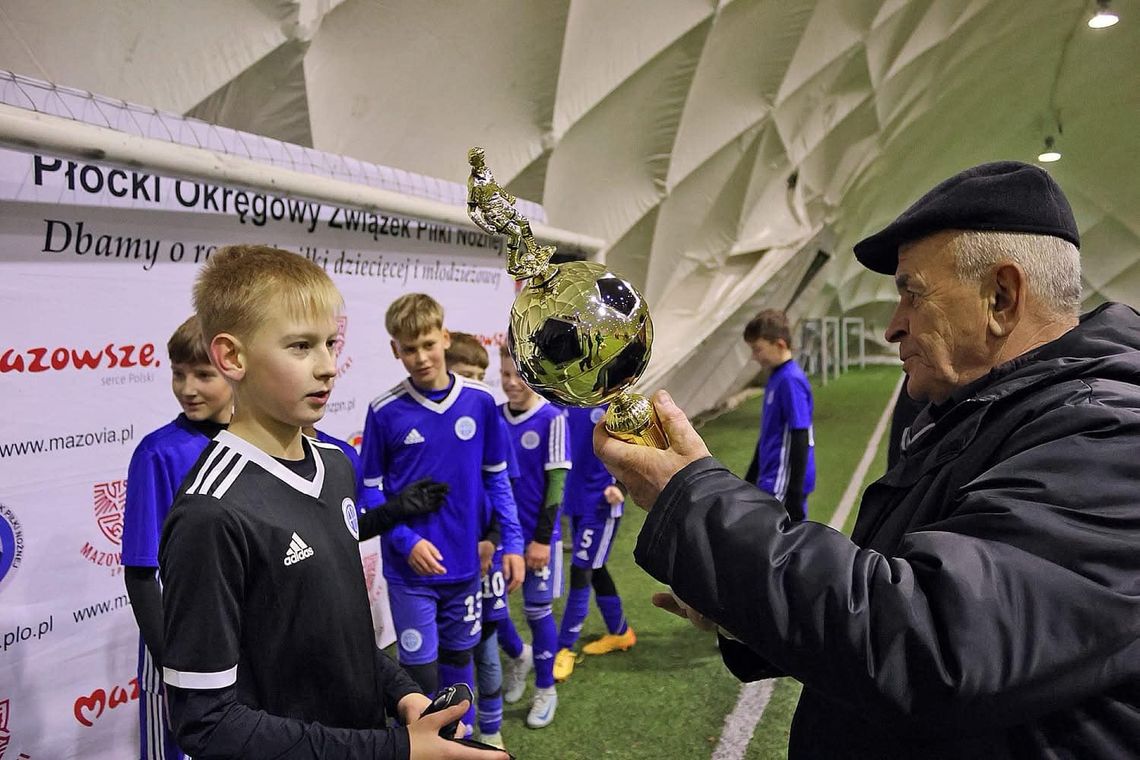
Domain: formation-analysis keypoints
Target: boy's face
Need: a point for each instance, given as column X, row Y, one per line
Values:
column 472, row 371
column 290, row 368
column 423, row 357
column 201, row 391
column 769, row 354
column 519, row 394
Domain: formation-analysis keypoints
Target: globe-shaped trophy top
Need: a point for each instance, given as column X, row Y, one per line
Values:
column 580, row 336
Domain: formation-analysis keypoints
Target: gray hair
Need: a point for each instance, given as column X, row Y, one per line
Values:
column 1052, row 266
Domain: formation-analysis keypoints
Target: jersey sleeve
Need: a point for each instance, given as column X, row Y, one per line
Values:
column 557, row 445
column 149, row 493
column 372, row 462
column 495, row 441
column 203, row 562
column 797, row 405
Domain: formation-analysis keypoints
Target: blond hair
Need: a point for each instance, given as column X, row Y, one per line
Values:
column 240, row 284
column 466, row 349
column 186, row 345
column 413, row 314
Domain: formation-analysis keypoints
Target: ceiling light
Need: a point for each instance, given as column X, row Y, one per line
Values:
column 1048, row 155
column 1104, row 17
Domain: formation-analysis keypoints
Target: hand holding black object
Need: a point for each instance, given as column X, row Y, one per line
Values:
column 419, row 498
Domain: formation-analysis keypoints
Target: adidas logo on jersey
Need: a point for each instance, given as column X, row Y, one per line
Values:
column 582, row 554
column 297, row 551
column 413, row 436
column 543, row 586
column 499, row 604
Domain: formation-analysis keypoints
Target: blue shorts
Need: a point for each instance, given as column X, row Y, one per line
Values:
column 495, row 591
column 428, row 617
column 544, row 586
column 593, row 537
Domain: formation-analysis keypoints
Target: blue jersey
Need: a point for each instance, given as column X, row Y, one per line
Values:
column 587, row 482
column 158, row 466
column 787, row 407
column 512, row 473
column 408, row 436
column 538, row 437
column 353, row 456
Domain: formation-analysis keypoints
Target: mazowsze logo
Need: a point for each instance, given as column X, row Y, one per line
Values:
column 108, row 500
column 63, row 358
column 89, row 708
column 342, row 362
column 11, row 542
column 6, row 733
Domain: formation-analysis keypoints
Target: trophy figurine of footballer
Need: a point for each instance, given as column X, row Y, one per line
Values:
column 579, row 335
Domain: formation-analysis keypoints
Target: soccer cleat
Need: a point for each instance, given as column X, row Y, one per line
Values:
column 564, row 664
column 495, row 739
column 542, row 708
column 612, row 642
column 515, row 671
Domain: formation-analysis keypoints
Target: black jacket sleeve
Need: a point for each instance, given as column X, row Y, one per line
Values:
column 963, row 626
column 145, row 593
column 212, row 724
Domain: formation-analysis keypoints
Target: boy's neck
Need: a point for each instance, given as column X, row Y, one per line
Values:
column 274, row 437
column 442, row 381
column 529, row 403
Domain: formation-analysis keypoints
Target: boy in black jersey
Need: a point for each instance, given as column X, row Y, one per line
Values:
column 268, row 635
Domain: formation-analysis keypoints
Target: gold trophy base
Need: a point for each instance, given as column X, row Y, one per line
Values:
column 632, row 418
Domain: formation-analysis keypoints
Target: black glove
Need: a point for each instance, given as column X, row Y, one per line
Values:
column 419, row 498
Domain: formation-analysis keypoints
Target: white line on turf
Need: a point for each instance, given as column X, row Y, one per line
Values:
column 740, row 724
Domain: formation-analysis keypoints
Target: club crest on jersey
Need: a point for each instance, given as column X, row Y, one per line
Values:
column 411, row 640
column 465, row 428
column 350, row 517
column 596, row 415
column 530, row 440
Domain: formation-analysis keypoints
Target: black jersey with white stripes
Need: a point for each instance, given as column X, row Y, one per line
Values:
column 264, row 589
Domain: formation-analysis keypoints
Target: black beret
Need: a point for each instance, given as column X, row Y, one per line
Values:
column 1005, row 196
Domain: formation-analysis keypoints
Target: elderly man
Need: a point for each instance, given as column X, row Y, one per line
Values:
column 988, row 602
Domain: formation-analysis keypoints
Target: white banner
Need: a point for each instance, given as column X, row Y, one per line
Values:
column 96, row 266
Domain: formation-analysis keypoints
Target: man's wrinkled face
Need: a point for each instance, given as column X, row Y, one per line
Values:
column 940, row 322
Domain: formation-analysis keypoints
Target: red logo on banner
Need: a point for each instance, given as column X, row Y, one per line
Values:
column 90, row 707
column 5, row 734
column 342, row 362
column 60, row 358
column 110, row 498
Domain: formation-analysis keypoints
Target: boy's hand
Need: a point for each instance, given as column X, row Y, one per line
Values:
column 426, row 743
column 537, row 555
column 425, row 559
column 613, row 495
column 486, row 554
column 514, row 570
column 670, row 603
column 415, row 499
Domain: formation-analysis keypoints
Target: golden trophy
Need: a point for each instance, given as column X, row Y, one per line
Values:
column 579, row 335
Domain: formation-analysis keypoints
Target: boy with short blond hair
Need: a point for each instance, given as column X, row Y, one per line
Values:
column 158, row 465
column 269, row 642
column 440, row 425
column 538, row 437
column 783, row 463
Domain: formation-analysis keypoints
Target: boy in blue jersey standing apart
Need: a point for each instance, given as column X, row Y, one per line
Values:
column 594, row 503
column 157, row 468
column 784, row 461
column 439, row 425
column 538, row 436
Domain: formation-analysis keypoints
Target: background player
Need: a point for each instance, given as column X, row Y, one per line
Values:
column 157, row 468
column 269, row 649
column 436, row 424
column 784, row 461
column 538, row 436
column 594, row 503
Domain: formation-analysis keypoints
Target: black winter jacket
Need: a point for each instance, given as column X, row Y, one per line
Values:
column 988, row 603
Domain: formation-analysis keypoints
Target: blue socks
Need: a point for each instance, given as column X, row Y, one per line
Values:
column 577, row 608
column 612, row 613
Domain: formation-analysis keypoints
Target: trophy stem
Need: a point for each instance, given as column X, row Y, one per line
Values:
column 632, row 418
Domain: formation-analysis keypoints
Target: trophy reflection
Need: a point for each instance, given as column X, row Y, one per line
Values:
column 579, row 335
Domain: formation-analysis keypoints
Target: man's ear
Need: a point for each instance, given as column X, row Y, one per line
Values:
column 1007, row 301
column 446, row 338
column 228, row 355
